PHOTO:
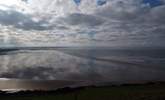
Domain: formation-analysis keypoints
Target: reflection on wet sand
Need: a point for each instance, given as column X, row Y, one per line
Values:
column 16, row 85
column 78, row 65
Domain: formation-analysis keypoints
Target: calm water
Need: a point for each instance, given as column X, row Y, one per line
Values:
column 90, row 65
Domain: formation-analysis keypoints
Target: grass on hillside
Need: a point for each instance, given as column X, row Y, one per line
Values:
column 124, row 92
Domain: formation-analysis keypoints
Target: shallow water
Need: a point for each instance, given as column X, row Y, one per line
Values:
column 90, row 65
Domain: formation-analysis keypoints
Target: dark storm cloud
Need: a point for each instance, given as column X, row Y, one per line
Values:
column 21, row 21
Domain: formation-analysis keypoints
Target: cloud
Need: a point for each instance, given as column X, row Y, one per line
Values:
column 21, row 21
column 132, row 23
column 116, row 22
column 25, row 1
column 42, row 73
column 156, row 15
column 44, row 65
column 83, row 20
column 45, row 73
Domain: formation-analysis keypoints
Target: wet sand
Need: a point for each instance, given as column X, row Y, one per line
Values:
column 17, row 85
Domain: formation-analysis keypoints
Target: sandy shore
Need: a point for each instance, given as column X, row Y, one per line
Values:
column 16, row 85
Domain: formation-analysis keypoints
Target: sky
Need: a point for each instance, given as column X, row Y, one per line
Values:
column 119, row 23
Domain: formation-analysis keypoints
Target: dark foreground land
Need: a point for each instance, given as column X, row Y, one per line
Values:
column 149, row 91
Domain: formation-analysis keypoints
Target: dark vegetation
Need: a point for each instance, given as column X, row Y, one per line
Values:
column 149, row 91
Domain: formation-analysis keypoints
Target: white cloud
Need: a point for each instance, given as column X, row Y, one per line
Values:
column 118, row 22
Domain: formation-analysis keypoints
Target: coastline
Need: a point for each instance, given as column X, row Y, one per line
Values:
column 16, row 85
column 138, row 91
